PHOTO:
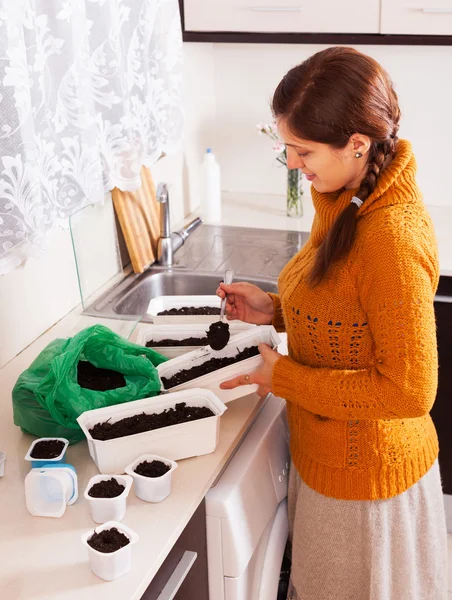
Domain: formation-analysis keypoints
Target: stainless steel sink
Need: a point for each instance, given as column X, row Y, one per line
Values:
column 256, row 255
column 174, row 283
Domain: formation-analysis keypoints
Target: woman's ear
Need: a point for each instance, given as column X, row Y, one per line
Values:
column 359, row 144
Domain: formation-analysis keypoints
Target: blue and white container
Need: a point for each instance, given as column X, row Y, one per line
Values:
column 49, row 489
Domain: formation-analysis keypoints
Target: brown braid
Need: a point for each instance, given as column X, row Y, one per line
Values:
column 339, row 239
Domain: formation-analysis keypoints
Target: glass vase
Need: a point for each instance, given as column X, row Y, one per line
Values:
column 294, row 193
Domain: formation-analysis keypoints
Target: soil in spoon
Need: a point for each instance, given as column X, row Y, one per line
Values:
column 218, row 335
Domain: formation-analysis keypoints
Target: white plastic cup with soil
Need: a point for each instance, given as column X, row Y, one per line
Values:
column 115, row 559
column 47, row 450
column 105, row 506
column 152, row 487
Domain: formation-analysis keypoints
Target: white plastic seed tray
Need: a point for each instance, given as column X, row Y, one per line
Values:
column 180, row 332
column 174, row 442
column 251, row 337
column 161, row 303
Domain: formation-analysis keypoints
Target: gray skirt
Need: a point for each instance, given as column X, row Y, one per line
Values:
column 394, row 549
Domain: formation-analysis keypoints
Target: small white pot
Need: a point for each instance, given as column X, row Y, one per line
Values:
column 111, row 565
column 152, row 489
column 108, row 509
column 39, row 462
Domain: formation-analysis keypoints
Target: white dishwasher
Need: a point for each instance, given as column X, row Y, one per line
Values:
column 246, row 512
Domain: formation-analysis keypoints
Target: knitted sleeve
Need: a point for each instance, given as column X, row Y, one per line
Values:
column 396, row 275
column 278, row 319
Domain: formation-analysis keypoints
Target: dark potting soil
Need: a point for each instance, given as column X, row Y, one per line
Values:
column 108, row 540
column 47, row 449
column 191, row 310
column 109, row 488
column 94, row 378
column 218, row 335
column 147, row 422
column 207, row 367
column 190, row 341
column 155, row 468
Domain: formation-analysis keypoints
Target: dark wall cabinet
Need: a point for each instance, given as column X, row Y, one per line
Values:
column 442, row 409
column 185, row 568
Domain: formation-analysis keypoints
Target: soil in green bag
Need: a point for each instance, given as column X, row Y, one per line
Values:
column 207, row 367
column 190, row 341
column 108, row 540
column 47, row 449
column 109, row 488
column 147, row 422
column 191, row 310
column 155, row 468
column 101, row 380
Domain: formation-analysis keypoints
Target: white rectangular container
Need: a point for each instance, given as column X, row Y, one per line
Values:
column 175, row 442
column 251, row 337
column 161, row 303
column 180, row 332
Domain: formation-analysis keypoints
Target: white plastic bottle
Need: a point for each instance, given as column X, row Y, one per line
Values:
column 211, row 188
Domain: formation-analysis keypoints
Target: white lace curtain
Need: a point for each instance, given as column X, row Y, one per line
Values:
column 89, row 91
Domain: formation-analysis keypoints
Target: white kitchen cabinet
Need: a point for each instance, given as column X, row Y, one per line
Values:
column 416, row 17
column 283, row 16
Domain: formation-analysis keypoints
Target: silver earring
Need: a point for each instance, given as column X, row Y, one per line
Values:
column 358, row 155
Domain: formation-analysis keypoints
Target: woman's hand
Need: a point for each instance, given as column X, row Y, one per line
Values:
column 247, row 302
column 263, row 375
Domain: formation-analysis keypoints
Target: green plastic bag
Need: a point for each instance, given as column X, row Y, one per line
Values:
column 47, row 398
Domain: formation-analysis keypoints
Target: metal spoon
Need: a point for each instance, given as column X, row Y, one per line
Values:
column 218, row 334
column 228, row 277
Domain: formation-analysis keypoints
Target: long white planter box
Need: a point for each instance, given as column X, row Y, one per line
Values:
column 180, row 332
column 162, row 303
column 251, row 337
column 174, row 442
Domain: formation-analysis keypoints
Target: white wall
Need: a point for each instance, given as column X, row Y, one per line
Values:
column 182, row 170
column 247, row 74
column 45, row 288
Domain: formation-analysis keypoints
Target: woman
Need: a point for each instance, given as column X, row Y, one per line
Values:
column 365, row 499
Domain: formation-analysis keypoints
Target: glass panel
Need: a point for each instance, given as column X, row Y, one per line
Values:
column 96, row 249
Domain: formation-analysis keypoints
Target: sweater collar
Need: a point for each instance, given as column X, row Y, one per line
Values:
column 396, row 185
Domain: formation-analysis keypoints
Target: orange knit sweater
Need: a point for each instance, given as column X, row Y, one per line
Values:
column 361, row 375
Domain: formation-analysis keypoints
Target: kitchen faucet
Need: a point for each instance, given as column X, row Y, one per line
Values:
column 169, row 242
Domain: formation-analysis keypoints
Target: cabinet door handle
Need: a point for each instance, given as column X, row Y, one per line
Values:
column 179, row 574
column 439, row 298
column 276, row 8
column 437, row 11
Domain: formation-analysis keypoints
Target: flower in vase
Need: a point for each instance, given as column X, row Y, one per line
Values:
column 278, row 145
column 294, row 176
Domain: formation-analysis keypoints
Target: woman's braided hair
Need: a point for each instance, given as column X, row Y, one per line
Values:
column 327, row 98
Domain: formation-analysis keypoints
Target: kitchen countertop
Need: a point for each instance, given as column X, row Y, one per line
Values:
column 268, row 211
column 43, row 558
